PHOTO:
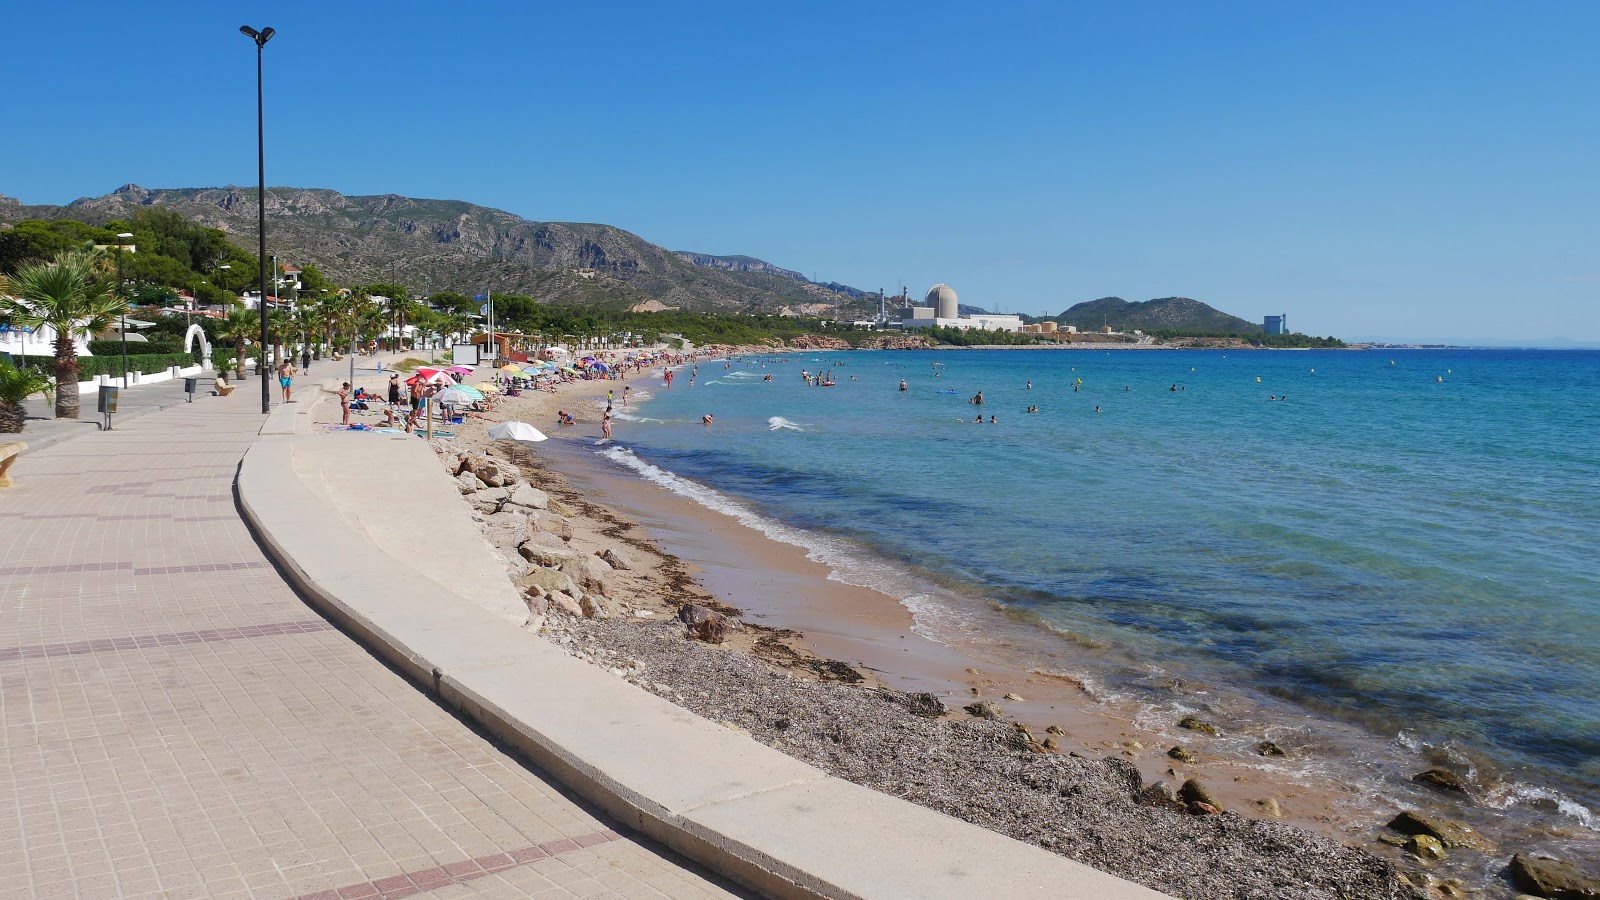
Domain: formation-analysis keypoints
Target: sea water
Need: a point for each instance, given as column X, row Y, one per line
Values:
column 1405, row 542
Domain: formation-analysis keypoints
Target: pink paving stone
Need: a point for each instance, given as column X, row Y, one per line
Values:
column 529, row 854
column 465, row 867
column 357, row 891
column 391, row 884
column 589, row 840
column 561, row 846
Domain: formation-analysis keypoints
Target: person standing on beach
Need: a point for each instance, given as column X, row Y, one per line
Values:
column 394, row 390
column 605, row 424
column 286, row 378
column 344, row 401
column 625, row 390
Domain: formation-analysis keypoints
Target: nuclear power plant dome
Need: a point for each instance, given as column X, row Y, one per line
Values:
column 943, row 300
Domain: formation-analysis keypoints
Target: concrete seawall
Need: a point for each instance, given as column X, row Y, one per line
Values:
column 784, row 828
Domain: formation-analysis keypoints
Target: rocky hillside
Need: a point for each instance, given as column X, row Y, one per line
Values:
column 1167, row 313
column 440, row 244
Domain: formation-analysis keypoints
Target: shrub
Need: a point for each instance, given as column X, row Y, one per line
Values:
column 142, row 348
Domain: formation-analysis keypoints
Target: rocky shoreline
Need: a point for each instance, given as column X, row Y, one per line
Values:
column 603, row 592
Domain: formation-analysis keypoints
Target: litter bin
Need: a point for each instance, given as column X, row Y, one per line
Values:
column 108, row 404
column 190, row 385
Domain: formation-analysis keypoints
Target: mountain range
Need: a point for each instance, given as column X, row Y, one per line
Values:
column 1166, row 313
column 450, row 244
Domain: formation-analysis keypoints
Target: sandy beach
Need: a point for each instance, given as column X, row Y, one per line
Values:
column 1053, row 766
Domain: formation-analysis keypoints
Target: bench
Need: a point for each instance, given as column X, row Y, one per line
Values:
column 8, row 455
column 223, row 390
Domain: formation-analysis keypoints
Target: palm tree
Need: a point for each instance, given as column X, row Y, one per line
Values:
column 16, row 386
column 237, row 328
column 71, row 297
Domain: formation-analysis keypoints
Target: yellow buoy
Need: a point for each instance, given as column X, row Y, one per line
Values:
column 1258, row 379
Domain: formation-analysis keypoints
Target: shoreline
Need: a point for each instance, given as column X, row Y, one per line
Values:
column 714, row 556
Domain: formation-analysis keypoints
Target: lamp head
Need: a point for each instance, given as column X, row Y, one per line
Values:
column 260, row 37
column 125, row 234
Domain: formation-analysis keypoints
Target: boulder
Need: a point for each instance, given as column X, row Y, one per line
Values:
column 1545, row 877
column 616, row 560
column 467, row 483
column 552, row 523
column 529, row 496
column 561, row 600
column 1454, row 835
column 506, row 537
column 551, row 581
column 1442, row 780
column 538, row 603
column 1180, row 754
column 1055, row 729
column 1014, row 698
column 488, row 472
column 545, row 549
column 1194, row 724
column 1270, row 807
column 1202, row 808
column 985, row 709
column 1159, row 794
column 1268, row 748
column 508, row 520
column 561, row 509
column 590, row 572
column 514, row 564
column 491, row 495
column 595, row 606
column 703, row 624
column 1193, row 792
column 1425, row 846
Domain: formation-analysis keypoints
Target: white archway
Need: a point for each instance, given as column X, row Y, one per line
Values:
column 205, row 344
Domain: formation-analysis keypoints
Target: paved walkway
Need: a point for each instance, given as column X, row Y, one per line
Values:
column 176, row 722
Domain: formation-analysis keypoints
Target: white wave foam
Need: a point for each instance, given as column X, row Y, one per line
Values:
column 738, row 374
column 779, row 423
column 1512, row 793
column 846, row 564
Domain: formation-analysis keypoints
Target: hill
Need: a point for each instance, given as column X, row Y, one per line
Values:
column 450, row 244
column 1164, row 314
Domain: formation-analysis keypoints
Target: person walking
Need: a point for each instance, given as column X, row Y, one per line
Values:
column 305, row 358
column 286, row 379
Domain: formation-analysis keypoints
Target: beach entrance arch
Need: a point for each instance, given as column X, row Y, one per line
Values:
column 195, row 331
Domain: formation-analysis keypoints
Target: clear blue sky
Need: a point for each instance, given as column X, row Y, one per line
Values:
column 1407, row 171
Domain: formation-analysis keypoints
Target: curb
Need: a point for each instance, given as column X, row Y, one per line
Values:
column 768, row 821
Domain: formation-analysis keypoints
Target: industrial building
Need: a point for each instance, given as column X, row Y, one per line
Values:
column 1276, row 324
column 943, row 310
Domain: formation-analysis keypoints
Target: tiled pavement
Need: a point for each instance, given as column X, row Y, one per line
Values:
column 176, row 722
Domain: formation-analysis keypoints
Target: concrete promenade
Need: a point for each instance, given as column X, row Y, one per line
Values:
column 176, row 722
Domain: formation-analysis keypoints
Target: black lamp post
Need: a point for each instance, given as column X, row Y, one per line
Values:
column 261, row 37
column 123, row 295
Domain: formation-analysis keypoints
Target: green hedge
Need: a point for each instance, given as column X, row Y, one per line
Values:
column 146, row 348
column 91, row 366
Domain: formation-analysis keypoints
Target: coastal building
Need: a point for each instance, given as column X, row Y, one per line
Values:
column 1276, row 324
column 943, row 310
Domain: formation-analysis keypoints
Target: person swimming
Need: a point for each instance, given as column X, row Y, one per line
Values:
column 978, row 400
column 706, row 419
column 903, row 386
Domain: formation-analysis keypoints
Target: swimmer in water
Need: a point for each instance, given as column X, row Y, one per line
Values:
column 903, row 385
column 978, row 400
column 991, row 420
column 705, row 419
column 1030, row 385
column 1097, row 409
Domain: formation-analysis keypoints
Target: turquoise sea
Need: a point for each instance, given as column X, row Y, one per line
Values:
column 1408, row 545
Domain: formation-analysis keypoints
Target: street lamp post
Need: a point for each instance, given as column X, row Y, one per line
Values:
column 261, row 37
column 123, row 295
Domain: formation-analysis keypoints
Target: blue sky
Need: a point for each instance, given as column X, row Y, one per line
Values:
column 1404, row 171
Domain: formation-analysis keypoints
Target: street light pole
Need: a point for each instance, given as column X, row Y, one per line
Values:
column 123, row 295
column 261, row 37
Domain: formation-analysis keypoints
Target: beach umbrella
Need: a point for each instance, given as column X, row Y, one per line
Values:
column 460, row 370
column 515, row 431
column 457, row 396
column 599, row 367
column 428, row 372
column 487, row 388
column 510, row 367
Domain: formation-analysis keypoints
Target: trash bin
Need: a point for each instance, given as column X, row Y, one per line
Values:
column 190, row 385
column 108, row 404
